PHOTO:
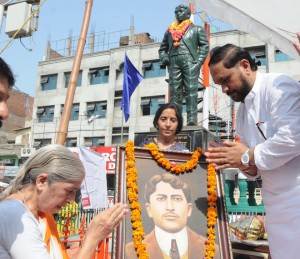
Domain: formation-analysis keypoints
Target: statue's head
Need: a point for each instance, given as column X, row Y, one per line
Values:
column 182, row 12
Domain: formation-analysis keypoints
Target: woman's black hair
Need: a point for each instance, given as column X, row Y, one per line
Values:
column 177, row 112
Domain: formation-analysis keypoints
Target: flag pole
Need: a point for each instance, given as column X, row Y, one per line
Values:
column 122, row 128
column 65, row 118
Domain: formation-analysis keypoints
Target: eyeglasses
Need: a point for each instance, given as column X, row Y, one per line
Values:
column 258, row 127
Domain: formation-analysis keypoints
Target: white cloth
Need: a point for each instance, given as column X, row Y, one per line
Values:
column 275, row 102
column 20, row 233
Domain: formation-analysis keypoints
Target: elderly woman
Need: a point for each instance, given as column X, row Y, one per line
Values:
column 168, row 121
column 46, row 182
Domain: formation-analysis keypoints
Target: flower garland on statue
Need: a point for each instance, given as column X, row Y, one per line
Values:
column 178, row 30
column 132, row 192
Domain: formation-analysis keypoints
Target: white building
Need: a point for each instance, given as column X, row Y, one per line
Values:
column 99, row 91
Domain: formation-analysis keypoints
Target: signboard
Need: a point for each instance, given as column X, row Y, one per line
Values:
column 110, row 154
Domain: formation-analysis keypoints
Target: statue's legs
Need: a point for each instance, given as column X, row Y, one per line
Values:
column 190, row 82
column 175, row 81
column 184, row 73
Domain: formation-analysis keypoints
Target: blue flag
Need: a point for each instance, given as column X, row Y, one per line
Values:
column 132, row 78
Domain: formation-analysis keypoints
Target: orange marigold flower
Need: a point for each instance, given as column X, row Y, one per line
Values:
column 211, row 231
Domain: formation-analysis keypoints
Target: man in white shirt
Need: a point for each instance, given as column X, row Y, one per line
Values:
column 268, row 124
column 169, row 204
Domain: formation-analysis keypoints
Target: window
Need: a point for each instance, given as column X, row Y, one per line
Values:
column 38, row 143
column 96, row 110
column 119, row 137
column 49, row 82
column 74, row 113
column 110, row 184
column 149, row 105
column 71, row 142
column 259, row 54
column 116, row 140
column 67, row 78
column 118, row 130
column 120, row 71
column 94, row 141
column 8, row 162
column 45, row 113
column 118, row 99
column 153, row 69
column 280, row 56
column 99, row 75
column 262, row 58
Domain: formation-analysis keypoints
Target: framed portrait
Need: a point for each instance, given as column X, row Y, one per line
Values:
column 172, row 207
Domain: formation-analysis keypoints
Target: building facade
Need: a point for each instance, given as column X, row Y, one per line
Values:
column 20, row 107
column 96, row 118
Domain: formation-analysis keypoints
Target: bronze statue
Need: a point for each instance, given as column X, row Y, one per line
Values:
column 184, row 49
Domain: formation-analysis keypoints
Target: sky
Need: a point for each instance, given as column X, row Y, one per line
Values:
column 58, row 19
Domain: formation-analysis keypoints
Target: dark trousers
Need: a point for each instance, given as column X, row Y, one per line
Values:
column 183, row 76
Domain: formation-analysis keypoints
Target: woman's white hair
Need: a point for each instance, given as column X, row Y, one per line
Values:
column 57, row 161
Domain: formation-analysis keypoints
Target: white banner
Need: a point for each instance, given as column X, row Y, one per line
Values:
column 94, row 186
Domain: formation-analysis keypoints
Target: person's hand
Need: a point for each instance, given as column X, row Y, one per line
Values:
column 99, row 228
column 226, row 156
column 297, row 43
column 103, row 223
column 165, row 61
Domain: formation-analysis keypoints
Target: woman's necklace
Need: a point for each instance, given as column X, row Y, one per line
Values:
column 22, row 196
column 162, row 146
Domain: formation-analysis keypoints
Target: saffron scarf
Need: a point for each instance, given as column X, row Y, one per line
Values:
column 55, row 248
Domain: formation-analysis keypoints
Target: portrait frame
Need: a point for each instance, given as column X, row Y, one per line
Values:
column 196, row 179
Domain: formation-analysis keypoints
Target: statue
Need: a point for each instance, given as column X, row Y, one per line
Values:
column 184, row 49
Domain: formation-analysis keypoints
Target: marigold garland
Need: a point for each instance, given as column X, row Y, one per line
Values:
column 178, row 29
column 132, row 192
column 173, row 167
column 211, row 211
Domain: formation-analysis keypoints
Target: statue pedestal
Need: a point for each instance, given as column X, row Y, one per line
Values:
column 190, row 136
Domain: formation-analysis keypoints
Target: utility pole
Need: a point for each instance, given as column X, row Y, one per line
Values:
column 65, row 118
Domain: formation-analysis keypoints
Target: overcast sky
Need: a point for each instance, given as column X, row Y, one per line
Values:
column 62, row 18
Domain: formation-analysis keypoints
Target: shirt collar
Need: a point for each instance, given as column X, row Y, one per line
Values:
column 255, row 88
column 164, row 238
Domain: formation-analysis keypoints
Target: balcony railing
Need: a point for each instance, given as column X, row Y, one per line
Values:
column 243, row 196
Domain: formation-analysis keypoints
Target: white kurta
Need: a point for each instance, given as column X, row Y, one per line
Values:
column 275, row 102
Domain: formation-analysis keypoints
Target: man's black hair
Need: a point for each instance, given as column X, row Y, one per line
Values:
column 6, row 72
column 230, row 55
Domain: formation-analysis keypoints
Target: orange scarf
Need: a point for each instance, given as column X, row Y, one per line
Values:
column 51, row 237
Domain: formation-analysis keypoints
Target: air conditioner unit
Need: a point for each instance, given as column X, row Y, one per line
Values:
column 26, row 152
column 16, row 16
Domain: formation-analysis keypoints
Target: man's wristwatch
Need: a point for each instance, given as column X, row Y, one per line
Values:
column 245, row 158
